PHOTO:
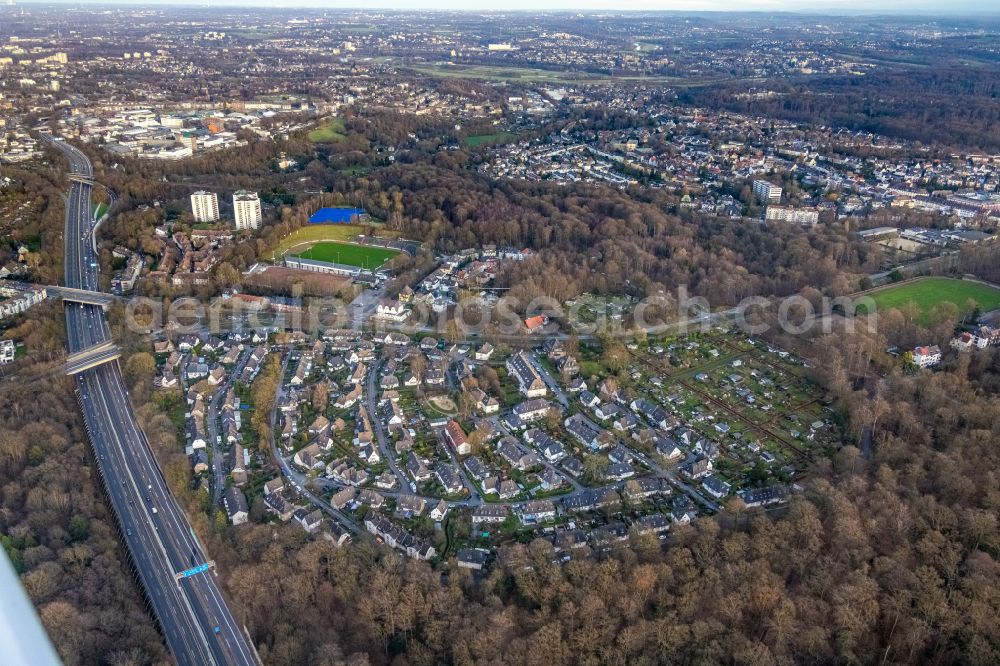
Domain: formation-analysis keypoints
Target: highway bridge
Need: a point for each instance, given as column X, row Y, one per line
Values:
column 191, row 611
column 91, row 357
column 85, row 296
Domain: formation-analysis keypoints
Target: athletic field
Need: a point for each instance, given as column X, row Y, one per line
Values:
column 925, row 293
column 364, row 256
column 305, row 236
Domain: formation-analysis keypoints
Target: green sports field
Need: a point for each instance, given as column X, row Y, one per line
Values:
column 925, row 293
column 347, row 253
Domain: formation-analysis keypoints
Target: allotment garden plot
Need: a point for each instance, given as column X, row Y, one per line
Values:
column 753, row 401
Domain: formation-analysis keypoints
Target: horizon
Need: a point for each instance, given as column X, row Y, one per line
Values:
column 921, row 8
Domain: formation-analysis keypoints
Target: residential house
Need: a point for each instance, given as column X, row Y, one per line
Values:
column 320, row 427
column 573, row 466
column 589, row 500
column 391, row 310
column 508, row 489
column 485, row 403
column 763, row 496
column 570, row 539
column 568, row 366
column 457, row 438
column 618, row 472
column 369, row 454
column 646, row 487
column 417, row 469
column 309, row 520
column 408, row 506
column 697, row 468
column 550, row 448
column 199, row 461
column 607, row 410
column 449, row 478
column 439, row 512
column 550, row 479
column 490, row 514
column 516, row 455
column 476, row 468
column 336, row 534
column 536, row 511
column 536, row 323
column 607, row 536
column 396, row 537
column 682, row 510
column 620, row 454
column 387, row 481
column 715, row 486
column 927, row 356
column 217, row 376
column 279, row 506
column 235, row 503
column 532, row 410
column 340, row 470
column 371, row 499
column 349, row 399
column 472, row 558
column 656, row 524
column 668, row 448
column 586, row 431
column 308, row 457
column 344, row 497
column 589, row 400
column 529, row 382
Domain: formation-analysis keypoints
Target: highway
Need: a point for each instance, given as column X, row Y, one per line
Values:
column 191, row 611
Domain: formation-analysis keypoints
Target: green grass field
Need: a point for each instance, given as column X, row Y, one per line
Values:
column 928, row 292
column 477, row 140
column 346, row 253
column 330, row 131
column 312, row 233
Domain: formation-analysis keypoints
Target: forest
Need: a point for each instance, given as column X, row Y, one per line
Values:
column 940, row 104
column 54, row 523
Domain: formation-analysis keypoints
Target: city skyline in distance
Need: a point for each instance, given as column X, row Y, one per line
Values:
column 970, row 8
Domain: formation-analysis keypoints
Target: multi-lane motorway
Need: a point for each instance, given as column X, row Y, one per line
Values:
column 192, row 613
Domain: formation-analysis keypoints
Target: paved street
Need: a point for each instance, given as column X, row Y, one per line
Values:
column 212, row 425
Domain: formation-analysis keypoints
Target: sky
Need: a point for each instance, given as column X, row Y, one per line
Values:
column 967, row 7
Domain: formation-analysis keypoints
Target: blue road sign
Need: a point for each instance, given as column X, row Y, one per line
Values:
column 195, row 570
